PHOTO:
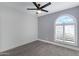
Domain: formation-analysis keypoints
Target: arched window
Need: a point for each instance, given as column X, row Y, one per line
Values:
column 65, row 29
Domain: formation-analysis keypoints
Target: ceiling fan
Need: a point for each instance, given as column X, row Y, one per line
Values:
column 39, row 8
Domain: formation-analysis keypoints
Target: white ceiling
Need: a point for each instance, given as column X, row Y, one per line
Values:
column 54, row 7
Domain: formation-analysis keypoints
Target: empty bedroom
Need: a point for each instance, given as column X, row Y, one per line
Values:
column 39, row 28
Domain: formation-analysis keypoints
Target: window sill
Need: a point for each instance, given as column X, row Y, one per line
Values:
column 66, row 42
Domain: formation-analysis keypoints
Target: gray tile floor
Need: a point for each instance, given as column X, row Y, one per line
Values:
column 39, row 48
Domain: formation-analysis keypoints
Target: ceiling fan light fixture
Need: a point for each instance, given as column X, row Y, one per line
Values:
column 38, row 12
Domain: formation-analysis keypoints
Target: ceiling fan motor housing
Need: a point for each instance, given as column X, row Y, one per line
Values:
column 39, row 5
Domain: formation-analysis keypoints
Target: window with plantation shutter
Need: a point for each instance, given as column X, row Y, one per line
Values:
column 65, row 30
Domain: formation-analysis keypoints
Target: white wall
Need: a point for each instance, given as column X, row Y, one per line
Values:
column 17, row 28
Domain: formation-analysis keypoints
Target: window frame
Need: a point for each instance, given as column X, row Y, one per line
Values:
column 75, row 44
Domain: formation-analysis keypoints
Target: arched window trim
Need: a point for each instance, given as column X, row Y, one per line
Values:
column 75, row 23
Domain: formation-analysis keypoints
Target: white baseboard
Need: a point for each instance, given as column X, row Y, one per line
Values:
column 66, row 46
column 3, row 50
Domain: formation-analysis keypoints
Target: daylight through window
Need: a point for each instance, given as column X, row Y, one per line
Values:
column 66, row 29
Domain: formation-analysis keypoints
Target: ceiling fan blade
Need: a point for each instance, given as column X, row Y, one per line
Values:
column 45, row 5
column 31, row 9
column 44, row 10
column 36, row 4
